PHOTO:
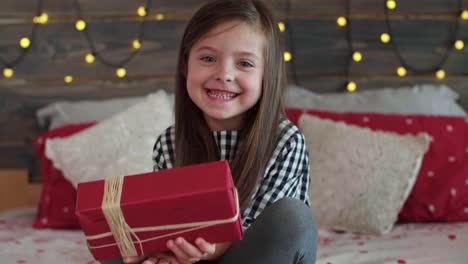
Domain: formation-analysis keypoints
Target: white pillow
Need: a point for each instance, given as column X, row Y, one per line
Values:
column 360, row 178
column 67, row 112
column 118, row 146
column 419, row 99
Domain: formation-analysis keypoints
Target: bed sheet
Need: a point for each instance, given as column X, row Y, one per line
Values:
column 430, row 243
column 410, row 243
column 22, row 244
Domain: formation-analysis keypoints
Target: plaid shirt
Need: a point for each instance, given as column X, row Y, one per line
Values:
column 286, row 173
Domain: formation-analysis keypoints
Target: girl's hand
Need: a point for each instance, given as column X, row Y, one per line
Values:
column 187, row 253
column 133, row 260
column 162, row 258
column 181, row 252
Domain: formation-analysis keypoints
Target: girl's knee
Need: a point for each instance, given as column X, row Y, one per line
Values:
column 293, row 217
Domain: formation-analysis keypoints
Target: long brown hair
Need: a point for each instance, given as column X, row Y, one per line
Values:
column 257, row 139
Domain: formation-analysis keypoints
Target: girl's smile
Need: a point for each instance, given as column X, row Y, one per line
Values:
column 219, row 92
column 220, row 95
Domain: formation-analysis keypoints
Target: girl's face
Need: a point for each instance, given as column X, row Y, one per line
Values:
column 225, row 69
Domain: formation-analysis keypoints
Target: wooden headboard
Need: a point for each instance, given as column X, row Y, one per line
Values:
column 320, row 48
column 16, row 190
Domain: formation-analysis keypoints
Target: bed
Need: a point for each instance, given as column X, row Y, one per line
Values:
column 407, row 243
column 49, row 233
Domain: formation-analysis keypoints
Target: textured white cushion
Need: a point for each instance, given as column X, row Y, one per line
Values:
column 360, row 178
column 419, row 99
column 67, row 112
column 118, row 146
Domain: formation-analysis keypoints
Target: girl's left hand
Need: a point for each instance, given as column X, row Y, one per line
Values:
column 183, row 252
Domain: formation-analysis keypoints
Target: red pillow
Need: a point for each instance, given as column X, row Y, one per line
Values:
column 56, row 207
column 440, row 193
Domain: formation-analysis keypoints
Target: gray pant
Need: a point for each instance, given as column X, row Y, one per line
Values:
column 284, row 233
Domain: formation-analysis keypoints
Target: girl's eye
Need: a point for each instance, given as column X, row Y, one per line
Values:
column 245, row 64
column 207, row 59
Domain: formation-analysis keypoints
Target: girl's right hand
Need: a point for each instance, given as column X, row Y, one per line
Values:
column 132, row 260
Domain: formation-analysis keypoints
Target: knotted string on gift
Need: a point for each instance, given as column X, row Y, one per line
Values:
column 122, row 232
column 115, row 218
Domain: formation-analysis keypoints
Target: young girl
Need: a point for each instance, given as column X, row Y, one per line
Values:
column 229, row 87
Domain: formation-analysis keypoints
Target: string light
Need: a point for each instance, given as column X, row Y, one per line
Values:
column 464, row 15
column 391, row 4
column 401, row 71
column 89, row 58
column 287, row 56
column 459, row 44
column 351, row 87
column 136, row 44
column 121, row 72
column 430, row 69
column 142, row 11
column 80, row 25
column 159, row 17
column 290, row 46
column 25, row 43
column 385, row 38
column 68, row 79
column 440, row 74
column 357, row 56
column 341, row 21
column 8, row 72
column 282, row 26
column 42, row 19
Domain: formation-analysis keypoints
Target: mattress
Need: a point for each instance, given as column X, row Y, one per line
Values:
column 430, row 243
column 410, row 243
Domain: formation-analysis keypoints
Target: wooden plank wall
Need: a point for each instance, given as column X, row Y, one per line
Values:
column 319, row 63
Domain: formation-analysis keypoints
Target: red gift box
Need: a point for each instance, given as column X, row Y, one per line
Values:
column 192, row 201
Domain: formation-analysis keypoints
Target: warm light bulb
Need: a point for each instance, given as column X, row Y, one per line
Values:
column 68, row 79
column 141, row 11
column 80, row 25
column 357, row 56
column 459, row 44
column 89, row 58
column 287, row 56
column 136, row 44
column 391, row 4
column 121, row 72
column 159, row 16
column 42, row 19
column 352, row 86
column 341, row 21
column 464, row 15
column 385, row 37
column 282, row 26
column 440, row 74
column 8, row 72
column 401, row 71
column 25, row 43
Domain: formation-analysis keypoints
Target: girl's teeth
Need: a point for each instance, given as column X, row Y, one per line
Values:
column 221, row 95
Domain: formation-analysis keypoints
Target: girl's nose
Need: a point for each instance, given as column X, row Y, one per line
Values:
column 224, row 74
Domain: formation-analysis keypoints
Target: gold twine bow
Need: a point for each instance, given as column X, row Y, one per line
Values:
column 115, row 218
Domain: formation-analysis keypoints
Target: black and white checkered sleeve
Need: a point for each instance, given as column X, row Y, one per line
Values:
column 163, row 150
column 286, row 175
